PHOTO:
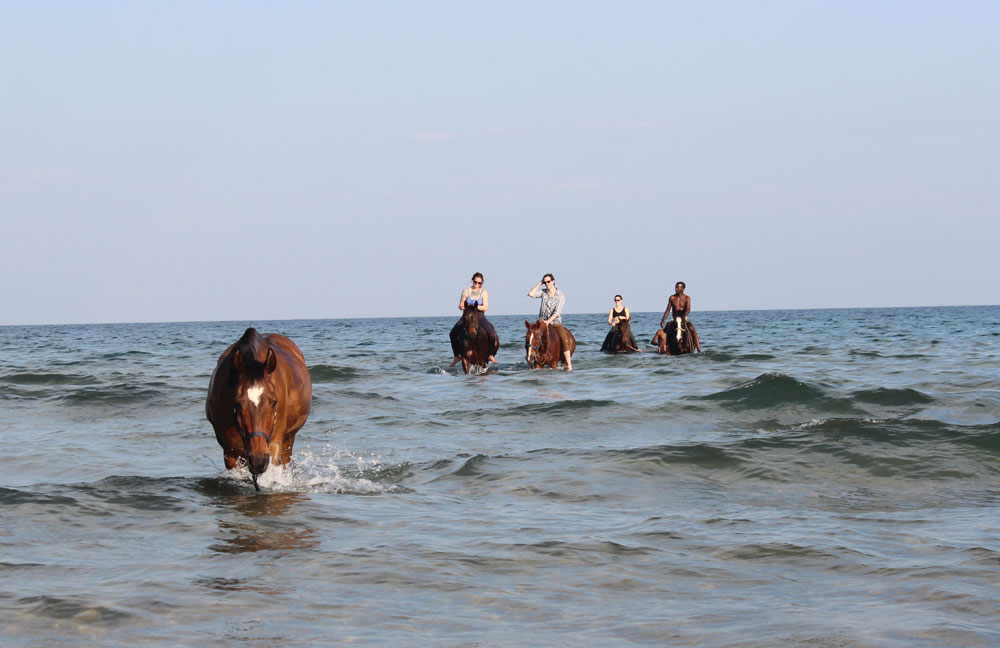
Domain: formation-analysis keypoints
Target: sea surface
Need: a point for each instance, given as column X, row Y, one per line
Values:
column 813, row 478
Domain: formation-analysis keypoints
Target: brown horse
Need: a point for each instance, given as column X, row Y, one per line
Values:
column 619, row 338
column 670, row 342
column 543, row 347
column 470, row 341
column 258, row 398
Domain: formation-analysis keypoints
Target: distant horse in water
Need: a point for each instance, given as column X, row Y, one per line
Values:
column 620, row 339
column 470, row 342
column 543, row 347
column 677, row 338
column 258, row 398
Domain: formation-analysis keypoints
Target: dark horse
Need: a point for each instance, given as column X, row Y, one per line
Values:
column 667, row 339
column 470, row 342
column 543, row 347
column 620, row 339
column 258, row 398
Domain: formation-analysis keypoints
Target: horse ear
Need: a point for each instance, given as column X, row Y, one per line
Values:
column 526, row 324
column 238, row 361
column 271, row 361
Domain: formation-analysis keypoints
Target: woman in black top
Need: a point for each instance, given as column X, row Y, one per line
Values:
column 618, row 313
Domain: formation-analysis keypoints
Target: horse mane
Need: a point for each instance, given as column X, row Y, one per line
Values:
column 543, row 336
column 246, row 346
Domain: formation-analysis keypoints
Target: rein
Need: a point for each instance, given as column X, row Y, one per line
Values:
column 540, row 348
column 248, row 437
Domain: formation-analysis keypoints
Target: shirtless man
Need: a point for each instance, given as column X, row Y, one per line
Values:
column 681, row 305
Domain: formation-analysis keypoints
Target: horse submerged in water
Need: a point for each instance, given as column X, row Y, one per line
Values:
column 543, row 347
column 619, row 339
column 470, row 342
column 258, row 398
column 676, row 338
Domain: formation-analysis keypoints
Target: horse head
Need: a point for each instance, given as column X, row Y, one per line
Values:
column 470, row 318
column 624, row 328
column 255, row 410
column 534, row 341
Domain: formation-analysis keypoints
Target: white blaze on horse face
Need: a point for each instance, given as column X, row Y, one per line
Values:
column 678, row 329
column 254, row 393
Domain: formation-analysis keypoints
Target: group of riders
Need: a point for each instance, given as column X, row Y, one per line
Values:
column 550, row 311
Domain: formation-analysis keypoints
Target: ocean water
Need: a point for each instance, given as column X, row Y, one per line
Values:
column 814, row 478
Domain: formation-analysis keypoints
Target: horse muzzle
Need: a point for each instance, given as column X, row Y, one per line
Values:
column 258, row 458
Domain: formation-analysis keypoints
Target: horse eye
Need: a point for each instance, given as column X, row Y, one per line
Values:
column 274, row 403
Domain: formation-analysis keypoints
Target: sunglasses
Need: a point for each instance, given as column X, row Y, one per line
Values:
column 618, row 298
column 477, row 283
column 546, row 281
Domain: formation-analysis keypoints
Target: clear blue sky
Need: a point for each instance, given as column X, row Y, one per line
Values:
column 242, row 160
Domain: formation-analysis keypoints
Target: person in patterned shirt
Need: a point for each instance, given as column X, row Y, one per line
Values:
column 551, row 309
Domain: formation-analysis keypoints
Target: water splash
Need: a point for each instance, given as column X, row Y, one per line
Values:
column 328, row 470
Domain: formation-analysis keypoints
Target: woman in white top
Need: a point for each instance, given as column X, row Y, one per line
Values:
column 475, row 296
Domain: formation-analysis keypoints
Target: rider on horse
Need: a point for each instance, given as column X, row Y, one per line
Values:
column 681, row 305
column 475, row 296
column 550, row 312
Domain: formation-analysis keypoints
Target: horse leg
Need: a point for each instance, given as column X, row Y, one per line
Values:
column 694, row 338
column 455, row 350
column 466, row 364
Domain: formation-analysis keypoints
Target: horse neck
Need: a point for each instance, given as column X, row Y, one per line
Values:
column 551, row 338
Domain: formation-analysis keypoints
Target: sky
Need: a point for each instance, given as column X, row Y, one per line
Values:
column 201, row 161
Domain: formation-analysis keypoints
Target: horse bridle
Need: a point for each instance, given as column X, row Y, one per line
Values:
column 537, row 348
column 256, row 433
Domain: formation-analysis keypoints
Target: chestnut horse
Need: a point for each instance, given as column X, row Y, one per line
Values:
column 674, row 341
column 619, row 338
column 543, row 346
column 258, row 398
column 471, row 343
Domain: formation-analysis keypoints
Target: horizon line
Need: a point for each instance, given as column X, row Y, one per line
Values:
column 528, row 315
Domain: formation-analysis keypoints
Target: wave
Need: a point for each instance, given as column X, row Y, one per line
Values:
column 75, row 609
column 906, row 433
column 333, row 374
column 725, row 357
column 771, row 390
column 541, row 410
column 32, row 378
column 16, row 497
column 892, row 397
column 559, row 407
column 901, row 448
column 120, row 394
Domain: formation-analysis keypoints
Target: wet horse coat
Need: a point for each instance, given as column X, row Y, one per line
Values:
column 470, row 341
column 258, row 398
column 543, row 346
column 677, row 338
column 619, row 339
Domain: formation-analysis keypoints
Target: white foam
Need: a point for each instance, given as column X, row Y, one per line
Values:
column 324, row 471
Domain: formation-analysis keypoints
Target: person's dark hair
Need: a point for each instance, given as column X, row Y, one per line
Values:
column 550, row 276
column 682, row 284
column 619, row 297
column 478, row 274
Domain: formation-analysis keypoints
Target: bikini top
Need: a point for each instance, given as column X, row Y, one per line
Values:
column 478, row 301
column 617, row 313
